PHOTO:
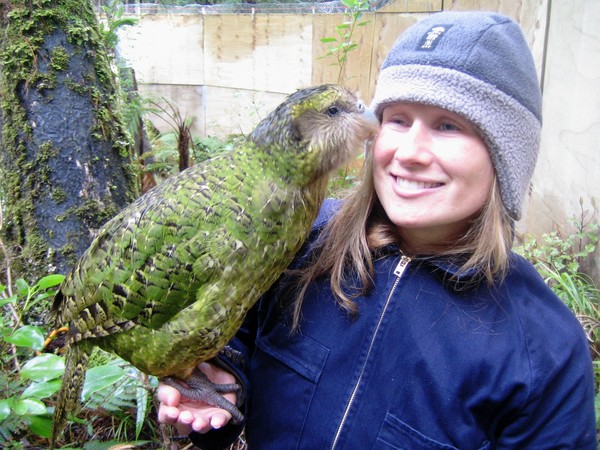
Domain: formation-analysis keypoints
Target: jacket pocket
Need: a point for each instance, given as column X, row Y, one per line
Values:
column 395, row 434
column 298, row 352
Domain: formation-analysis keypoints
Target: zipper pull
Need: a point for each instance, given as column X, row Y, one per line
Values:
column 401, row 267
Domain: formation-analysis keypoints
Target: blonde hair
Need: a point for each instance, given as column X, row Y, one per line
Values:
column 350, row 240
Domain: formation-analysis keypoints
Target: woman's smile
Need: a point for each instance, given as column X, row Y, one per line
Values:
column 405, row 184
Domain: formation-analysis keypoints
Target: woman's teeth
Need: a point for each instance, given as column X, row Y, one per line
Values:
column 415, row 185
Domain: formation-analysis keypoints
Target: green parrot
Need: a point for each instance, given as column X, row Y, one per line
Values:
column 167, row 282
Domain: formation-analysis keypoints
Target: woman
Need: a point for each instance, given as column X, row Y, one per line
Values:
column 407, row 322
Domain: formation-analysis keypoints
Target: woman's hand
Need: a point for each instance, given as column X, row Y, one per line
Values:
column 191, row 415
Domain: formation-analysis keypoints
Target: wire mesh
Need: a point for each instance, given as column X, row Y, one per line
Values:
column 328, row 7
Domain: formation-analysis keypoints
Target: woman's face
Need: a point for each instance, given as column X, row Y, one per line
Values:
column 432, row 173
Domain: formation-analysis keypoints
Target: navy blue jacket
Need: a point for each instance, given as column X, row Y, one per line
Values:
column 426, row 364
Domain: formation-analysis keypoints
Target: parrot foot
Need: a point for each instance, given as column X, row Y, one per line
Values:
column 232, row 354
column 199, row 387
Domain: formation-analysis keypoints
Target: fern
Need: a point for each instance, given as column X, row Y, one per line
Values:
column 9, row 428
column 117, row 388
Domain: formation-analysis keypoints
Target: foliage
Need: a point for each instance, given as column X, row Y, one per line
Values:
column 564, row 253
column 114, row 12
column 210, row 147
column 163, row 159
column 559, row 259
column 27, row 378
column 345, row 178
column 343, row 43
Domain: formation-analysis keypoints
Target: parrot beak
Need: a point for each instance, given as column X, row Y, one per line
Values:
column 372, row 122
column 371, row 119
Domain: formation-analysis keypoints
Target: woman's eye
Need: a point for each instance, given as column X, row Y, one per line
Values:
column 396, row 120
column 446, row 126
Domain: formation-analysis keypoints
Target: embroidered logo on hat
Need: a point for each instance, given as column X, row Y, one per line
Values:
column 431, row 39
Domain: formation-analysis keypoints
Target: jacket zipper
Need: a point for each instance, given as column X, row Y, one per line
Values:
column 400, row 268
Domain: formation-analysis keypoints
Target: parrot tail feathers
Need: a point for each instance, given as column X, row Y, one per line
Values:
column 69, row 396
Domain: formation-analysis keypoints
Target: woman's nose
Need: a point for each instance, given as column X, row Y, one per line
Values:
column 415, row 146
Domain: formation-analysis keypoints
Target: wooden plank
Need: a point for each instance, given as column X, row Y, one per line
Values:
column 266, row 52
column 412, row 6
column 386, row 29
column 165, row 49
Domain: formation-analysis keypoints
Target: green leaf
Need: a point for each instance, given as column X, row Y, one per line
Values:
column 40, row 425
column 43, row 368
column 142, row 408
column 108, row 445
column 5, row 405
column 28, row 336
column 5, row 301
column 29, row 406
column 22, row 286
column 327, row 40
column 41, row 390
column 99, row 377
column 50, row 281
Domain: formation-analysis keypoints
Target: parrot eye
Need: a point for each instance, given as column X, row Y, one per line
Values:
column 333, row 110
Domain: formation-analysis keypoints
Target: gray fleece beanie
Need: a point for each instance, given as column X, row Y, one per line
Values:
column 478, row 65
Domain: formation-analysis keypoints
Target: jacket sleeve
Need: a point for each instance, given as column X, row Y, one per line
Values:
column 558, row 411
column 244, row 344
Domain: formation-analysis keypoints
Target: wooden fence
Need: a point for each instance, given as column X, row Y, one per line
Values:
column 227, row 70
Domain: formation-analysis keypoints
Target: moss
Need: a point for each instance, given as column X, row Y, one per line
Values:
column 58, row 195
column 21, row 58
column 59, row 59
column 68, row 251
column 29, row 24
column 36, row 255
column 95, row 212
column 41, row 181
column 92, row 212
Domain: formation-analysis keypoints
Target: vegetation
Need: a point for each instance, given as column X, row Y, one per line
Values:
column 343, row 42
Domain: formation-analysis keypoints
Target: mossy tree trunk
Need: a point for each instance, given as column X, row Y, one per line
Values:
column 65, row 157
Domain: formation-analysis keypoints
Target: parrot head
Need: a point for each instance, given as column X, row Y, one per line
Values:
column 315, row 130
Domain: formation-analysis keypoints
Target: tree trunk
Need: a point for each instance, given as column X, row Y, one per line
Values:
column 66, row 159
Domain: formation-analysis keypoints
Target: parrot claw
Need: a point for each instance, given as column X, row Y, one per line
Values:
column 232, row 354
column 199, row 387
